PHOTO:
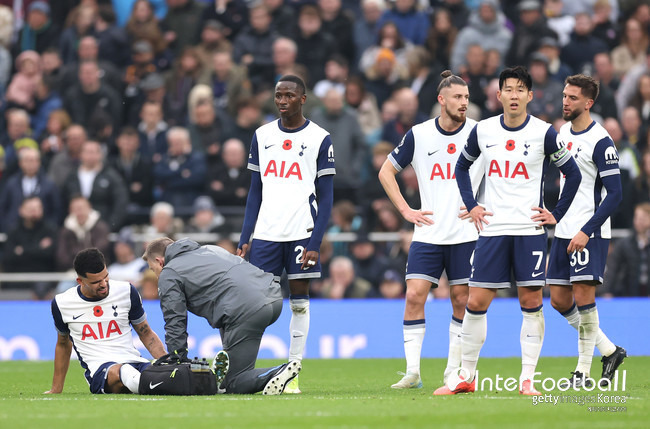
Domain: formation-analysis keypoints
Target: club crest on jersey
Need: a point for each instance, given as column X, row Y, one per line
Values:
column 577, row 152
column 286, row 145
column 97, row 311
column 510, row 145
column 302, row 149
column 451, row 148
column 526, row 146
column 506, row 171
column 114, row 310
column 611, row 156
column 293, row 170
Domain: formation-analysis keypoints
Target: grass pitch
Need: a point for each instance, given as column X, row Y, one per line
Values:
column 351, row 393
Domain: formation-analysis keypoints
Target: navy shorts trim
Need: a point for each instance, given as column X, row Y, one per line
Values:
column 97, row 381
column 588, row 265
column 276, row 257
column 427, row 261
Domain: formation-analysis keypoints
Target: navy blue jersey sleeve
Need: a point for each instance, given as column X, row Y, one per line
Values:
column 253, row 156
column 555, row 149
column 606, row 159
column 402, row 155
column 470, row 153
column 58, row 319
column 253, row 204
column 136, row 313
column 573, row 178
column 325, row 192
column 325, row 162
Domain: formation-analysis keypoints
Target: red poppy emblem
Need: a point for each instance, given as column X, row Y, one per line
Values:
column 451, row 148
column 569, row 145
column 97, row 311
column 286, row 145
column 510, row 145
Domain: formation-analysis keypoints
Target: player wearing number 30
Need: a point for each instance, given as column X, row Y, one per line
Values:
column 517, row 148
column 579, row 250
column 289, row 203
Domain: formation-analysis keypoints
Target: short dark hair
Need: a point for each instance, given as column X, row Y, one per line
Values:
column 449, row 79
column 589, row 87
column 295, row 79
column 89, row 261
column 517, row 72
column 128, row 131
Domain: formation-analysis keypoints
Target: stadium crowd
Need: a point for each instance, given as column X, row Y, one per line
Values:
column 136, row 117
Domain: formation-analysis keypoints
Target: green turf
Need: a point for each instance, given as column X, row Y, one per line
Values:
column 351, row 393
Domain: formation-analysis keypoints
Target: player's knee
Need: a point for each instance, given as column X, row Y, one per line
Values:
column 415, row 297
column 561, row 304
column 459, row 296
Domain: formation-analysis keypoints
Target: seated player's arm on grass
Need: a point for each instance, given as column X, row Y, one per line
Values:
column 150, row 339
column 560, row 156
column 174, row 309
column 62, row 353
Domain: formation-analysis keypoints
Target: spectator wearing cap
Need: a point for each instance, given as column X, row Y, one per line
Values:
column 583, row 45
column 82, row 20
column 391, row 286
column 314, row 46
column 179, row 177
column 486, row 27
column 343, row 282
column 182, row 23
column 30, row 180
column 546, row 91
column 632, row 50
column 212, row 40
column 206, row 218
column 557, row 70
column 531, row 28
column 412, row 24
column 228, row 182
column 89, row 97
column 253, row 46
column 39, row 32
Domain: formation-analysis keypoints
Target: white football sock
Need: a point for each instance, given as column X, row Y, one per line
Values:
column 474, row 331
column 130, row 377
column 531, row 339
column 605, row 346
column 455, row 355
column 413, row 338
column 587, row 332
column 299, row 326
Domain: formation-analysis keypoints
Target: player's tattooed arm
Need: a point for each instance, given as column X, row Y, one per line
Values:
column 62, row 353
column 150, row 339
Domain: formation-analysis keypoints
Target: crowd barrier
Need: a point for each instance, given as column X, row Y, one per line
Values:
column 352, row 328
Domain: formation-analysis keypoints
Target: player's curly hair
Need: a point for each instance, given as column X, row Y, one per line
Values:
column 89, row 261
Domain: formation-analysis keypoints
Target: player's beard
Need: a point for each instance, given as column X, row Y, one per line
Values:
column 457, row 117
column 572, row 115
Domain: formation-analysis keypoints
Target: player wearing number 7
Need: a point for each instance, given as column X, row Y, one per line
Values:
column 579, row 250
column 289, row 203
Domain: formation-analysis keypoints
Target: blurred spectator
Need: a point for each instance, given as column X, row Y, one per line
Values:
column 632, row 49
column 371, row 190
column 30, row 247
column 53, row 135
column 149, row 285
column 492, row 105
column 87, row 98
column 128, row 267
column 52, row 69
column 368, row 263
column 388, row 218
column 206, row 132
column 632, row 130
column 136, row 172
column 212, row 40
column 96, row 181
column 366, row 28
column 641, row 99
column 343, row 282
column 179, row 177
column 228, row 182
column 285, row 52
column 229, row 82
column 487, row 28
column 459, row 12
column 391, row 286
column 248, row 119
column 81, row 229
column 232, row 14
column 344, row 219
column 161, row 222
column 143, row 25
column 642, row 181
column 21, row 91
column 604, row 72
column 546, row 91
column 408, row 115
column 142, row 65
column 182, row 23
column 206, row 217
column 385, row 76
column 47, row 101
column 66, row 159
column 186, row 72
column 558, row 20
column 17, row 128
column 365, row 104
column 339, row 23
column 6, row 37
column 113, row 40
column 388, row 38
column 88, row 50
column 531, row 28
column 628, row 265
column 348, row 141
column 38, row 32
column 336, row 74
column 412, row 24
column 557, row 70
column 152, row 131
column 583, row 45
column 253, row 45
column 314, row 45
column 283, row 16
column 82, row 20
column 441, row 38
column 474, row 74
column 29, row 181
column 605, row 28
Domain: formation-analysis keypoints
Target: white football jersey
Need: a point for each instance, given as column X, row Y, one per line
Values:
column 596, row 156
column 289, row 162
column 515, row 160
column 100, row 330
column 433, row 153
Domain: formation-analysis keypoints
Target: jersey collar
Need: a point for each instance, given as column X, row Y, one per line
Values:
column 448, row 133
column 295, row 130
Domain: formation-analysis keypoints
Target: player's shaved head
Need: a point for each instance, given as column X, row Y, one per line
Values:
column 156, row 248
column 89, row 261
